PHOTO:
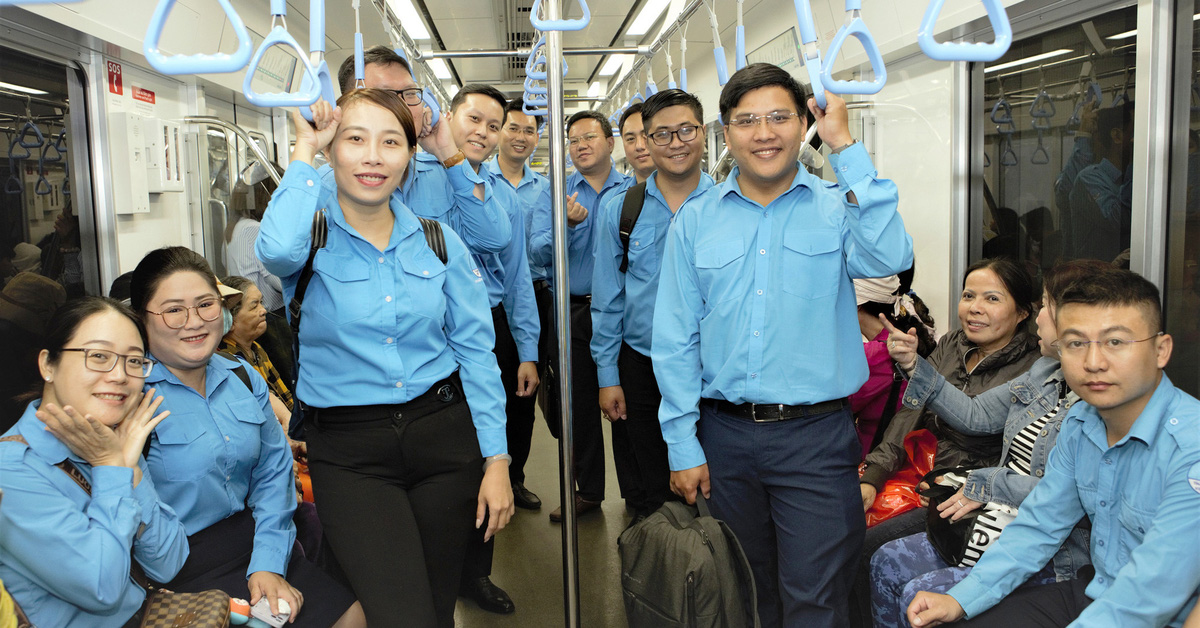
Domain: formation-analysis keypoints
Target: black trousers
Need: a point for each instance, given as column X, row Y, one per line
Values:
column 639, row 451
column 398, row 487
column 588, row 445
column 547, row 355
column 519, row 411
column 1045, row 606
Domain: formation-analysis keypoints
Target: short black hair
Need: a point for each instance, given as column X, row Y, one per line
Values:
column 1115, row 288
column 1110, row 119
column 670, row 98
column 758, row 75
column 635, row 108
column 518, row 105
column 381, row 55
column 478, row 88
column 589, row 114
column 1064, row 275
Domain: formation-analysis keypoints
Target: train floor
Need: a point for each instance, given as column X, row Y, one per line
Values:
column 528, row 556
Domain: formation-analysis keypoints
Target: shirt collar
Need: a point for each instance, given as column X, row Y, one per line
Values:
column 614, row 178
column 528, row 176
column 803, row 178
column 1145, row 428
column 405, row 222
column 42, row 442
column 652, row 188
column 1110, row 169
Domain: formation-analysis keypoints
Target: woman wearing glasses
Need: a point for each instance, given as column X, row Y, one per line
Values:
column 80, row 511
column 1028, row 411
column 221, row 460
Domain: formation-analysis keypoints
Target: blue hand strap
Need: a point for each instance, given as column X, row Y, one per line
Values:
column 198, row 63
column 316, row 53
column 1091, row 94
column 310, row 90
column 14, row 154
column 42, row 187
column 856, row 27
column 1042, row 110
column 30, row 127
column 48, row 158
column 559, row 25
column 810, row 51
column 434, row 107
column 60, row 142
column 966, row 51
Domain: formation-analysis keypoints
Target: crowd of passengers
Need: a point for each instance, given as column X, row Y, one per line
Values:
column 756, row 340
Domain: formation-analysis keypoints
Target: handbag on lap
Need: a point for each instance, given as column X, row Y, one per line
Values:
column 961, row 543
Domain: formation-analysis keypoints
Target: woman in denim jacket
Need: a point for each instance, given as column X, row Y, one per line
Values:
column 1040, row 396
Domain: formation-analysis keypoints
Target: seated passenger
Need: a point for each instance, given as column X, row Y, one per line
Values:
column 249, row 324
column 893, row 298
column 1028, row 411
column 220, row 460
column 28, row 301
column 1127, row 459
column 991, row 348
column 79, row 506
column 401, row 389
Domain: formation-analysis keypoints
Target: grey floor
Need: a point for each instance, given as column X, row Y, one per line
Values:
column 528, row 560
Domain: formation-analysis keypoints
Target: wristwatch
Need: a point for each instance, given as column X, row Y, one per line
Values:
column 844, row 147
column 454, row 160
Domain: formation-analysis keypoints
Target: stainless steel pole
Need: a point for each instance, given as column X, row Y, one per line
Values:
column 524, row 52
column 562, row 306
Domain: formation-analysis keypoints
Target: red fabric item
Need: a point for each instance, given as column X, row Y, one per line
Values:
column 899, row 494
column 867, row 404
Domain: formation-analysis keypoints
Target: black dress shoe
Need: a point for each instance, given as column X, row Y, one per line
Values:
column 582, row 507
column 525, row 498
column 488, row 596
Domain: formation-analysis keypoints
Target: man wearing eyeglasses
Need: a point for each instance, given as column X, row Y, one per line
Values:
column 1128, row 458
column 590, row 140
column 629, row 250
column 440, row 183
column 756, row 343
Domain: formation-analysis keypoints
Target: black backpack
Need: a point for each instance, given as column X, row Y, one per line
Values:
column 682, row 567
column 320, row 231
column 635, row 197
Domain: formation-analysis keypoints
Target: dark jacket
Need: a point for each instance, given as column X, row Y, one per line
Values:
column 954, row 448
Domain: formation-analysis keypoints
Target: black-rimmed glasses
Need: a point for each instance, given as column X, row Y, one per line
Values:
column 686, row 134
column 410, row 96
column 104, row 361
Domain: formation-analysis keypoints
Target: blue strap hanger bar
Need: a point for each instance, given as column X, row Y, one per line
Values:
column 810, row 50
column 740, row 44
column 280, row 35
column 559, row 25
column 198, row 63
column 316, row 57
column 966, row 51
column 29, row 127
column 718, row 49
column 857, row 28
column 1042, row 110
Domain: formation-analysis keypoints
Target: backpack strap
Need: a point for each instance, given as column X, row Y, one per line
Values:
column 320, row 231
column 240, row 371
column 635, row 197
column 889, row 410
column 67, row 466
column 435, row 238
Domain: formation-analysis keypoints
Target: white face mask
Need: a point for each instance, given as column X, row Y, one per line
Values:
column 226, row 320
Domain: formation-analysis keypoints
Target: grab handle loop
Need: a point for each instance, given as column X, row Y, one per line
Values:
column 559, row 25
column 1092, row 94
column 1041, row 156
column 198, row 63
column 1002, row 114
column 810, row 50
column 1042, row 110
column 316, row 57
column 434, row 108
column 857, row 28
column 60, row 142
column 48, row 158
column 966, row 51
column 310, row 90
column 30, row 127
column 13, row 154
column 1009, row 156
column 43, row 187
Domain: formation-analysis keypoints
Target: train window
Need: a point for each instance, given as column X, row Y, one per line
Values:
column 39, row 227
column 1182, row 286
column 1058, row 144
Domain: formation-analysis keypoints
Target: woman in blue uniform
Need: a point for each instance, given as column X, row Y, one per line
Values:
column 405, row 409
column 221, row 460
column 79, row 506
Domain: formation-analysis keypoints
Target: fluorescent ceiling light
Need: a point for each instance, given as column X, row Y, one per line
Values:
column 647, row 17
column 594, row 90
column 1035, row 58
column 410, row 20
column 452, row 90
column 22, row 89
column 611, row 66
column 1128, row 34
column 440, row 69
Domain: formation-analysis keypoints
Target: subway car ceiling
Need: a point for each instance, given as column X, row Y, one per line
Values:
column 937, row 128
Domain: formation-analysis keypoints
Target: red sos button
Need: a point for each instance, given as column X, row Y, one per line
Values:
column 114, row 78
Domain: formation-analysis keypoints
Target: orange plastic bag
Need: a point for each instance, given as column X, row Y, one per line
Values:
column 899, row 494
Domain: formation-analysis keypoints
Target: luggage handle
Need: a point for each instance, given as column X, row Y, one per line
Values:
column 702, row 504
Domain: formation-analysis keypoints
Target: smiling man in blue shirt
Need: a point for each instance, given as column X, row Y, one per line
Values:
column 1128, row 458
column 756, row 343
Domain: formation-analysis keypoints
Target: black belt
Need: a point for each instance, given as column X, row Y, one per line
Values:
column 541, row 284
column 580, row 299
column 442, row 391
column 772, row 412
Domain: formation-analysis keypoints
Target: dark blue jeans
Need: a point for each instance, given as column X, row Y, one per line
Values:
column 789, row 490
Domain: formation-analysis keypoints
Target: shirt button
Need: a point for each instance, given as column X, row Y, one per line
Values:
column 760, row 293
column 381, row 260
column 1039, row 473
column 1014, row 400
column 762, row 251
column 227, row 439
column 388, row 298
column 1044, row 432
column 1108, row 461
column 1101, row 542
column 753, row 375
column 399, row 384
column 755, row 333
column 227, row 478
column 1103, row 503
column 310, row 183
column 636, row 243
column 1174, row 421
column 1100, row 579
column 425, row 272
column 389, row 341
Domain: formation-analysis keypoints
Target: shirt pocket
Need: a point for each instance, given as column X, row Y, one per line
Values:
column 184, row 458
column 717, row 284
column 1134, row 525
column 812, row 263
column 346, row 280
column 423, row 279
column 644, row 259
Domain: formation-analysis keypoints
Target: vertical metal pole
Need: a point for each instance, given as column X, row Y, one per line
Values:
column 562, row 306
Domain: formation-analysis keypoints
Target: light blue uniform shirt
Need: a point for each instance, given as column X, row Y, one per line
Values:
column 755, row 304
column 448, row 196
column 65, row 557
column 623, row 303
column 506, row 276
column 220, row 452
column 382, row 327
column 533, row 191
column 1143, row 497
column 581, row 238
column 1100, row 211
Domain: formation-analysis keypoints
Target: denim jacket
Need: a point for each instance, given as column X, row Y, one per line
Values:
column 1007, row 408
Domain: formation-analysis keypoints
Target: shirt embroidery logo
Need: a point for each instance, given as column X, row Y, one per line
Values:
column 1194, row 477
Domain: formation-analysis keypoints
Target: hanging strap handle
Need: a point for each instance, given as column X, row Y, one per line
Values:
column 30, row 127
column 718, row 49
column 739, row 57
column 279, row 34
column 316, row 58
column 14, row 154
column 856, row 27
column 966, row 51
column 199, row 63
column 1042, row 110
column 559, row 25
column 810, row 50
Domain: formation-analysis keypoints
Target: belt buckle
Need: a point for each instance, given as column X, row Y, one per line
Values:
column 445, row 393
column 754, row 413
